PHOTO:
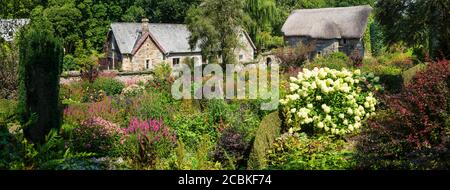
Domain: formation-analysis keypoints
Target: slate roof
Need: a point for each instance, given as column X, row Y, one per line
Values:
column 8, row 27
column 328, row 23
column 173, row 38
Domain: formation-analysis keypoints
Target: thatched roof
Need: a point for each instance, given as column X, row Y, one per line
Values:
column 328, row 23
column 8, row 27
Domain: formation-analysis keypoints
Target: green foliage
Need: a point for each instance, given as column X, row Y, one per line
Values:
column 409, row 74
column 390, row 67
column 133, row 14
column 191, row 128
column 18, row 153
column 336, row 60
column 418, row 23
column 162, row 79
column 70, row 63
column 7, row 111
column 376, row 38
column 216, row 25
column 41, row 57
column 198, row 159
column 264, row 14
column 16, row 9
column 300, row 152
column 9, row 58
column 156, row 105
column 268, row 131
column 109, row 85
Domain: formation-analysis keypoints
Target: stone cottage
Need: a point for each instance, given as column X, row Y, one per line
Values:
column 140, row 46
column 9, row 27
column 329, row 29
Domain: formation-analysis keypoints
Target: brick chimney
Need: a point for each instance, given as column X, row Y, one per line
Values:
column 145, row 25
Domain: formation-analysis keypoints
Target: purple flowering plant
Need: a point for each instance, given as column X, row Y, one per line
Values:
column 151, row 140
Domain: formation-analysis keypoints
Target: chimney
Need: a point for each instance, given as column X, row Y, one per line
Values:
column 145, row 25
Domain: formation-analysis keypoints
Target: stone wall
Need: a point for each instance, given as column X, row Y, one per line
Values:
column 328, row 46
column 148, row 53
column 127, row 78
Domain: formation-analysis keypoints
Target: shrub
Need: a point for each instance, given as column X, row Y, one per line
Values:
column 232, row 148
column 356, row 58
column 327, row 100
column 91, row 94
column 70, row 63
column 18, row 153
column 9, row 57
column 415, row 133
column 336, row 60
column 95, row 135
column 268, row 131
column 191, row 128
column 7, row 111
column 109, row 85
column 219, row 111
column 156, row 104
column 294, row 57
column 298, row 152
column 133, row 90
column 152, row 140
column 162, row 79
column 197, row 160
column 41, row 57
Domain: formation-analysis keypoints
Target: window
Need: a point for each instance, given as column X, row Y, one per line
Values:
column 319, row 53
column 147, row 64
column 241, row 57
column 269, row 61
column 176, row 61
column 344, row 41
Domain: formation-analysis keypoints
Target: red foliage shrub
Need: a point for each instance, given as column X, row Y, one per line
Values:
column 424, row 105
column 415, row 132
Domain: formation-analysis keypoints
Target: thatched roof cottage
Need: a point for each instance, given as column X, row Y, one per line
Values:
column 331, row 29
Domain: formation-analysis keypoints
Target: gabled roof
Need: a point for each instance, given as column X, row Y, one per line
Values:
column 249, row 39
column 171, row 38
column 142, row 39
column 328, row 23
column 8, row 27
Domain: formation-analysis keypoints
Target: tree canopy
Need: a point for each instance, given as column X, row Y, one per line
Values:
column 423, row 24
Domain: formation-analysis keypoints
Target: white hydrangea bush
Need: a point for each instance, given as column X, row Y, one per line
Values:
column 133, row 90
column 328, row 100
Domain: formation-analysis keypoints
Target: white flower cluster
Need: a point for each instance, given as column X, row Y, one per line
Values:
column 329, row 100
column 133, row 90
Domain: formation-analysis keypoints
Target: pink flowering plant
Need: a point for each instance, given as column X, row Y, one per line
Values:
column 112, row 109
column 96, row 135
column 148, row 141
